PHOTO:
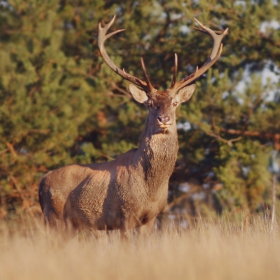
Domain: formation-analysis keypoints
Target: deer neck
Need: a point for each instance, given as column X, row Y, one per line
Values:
column 157, row 154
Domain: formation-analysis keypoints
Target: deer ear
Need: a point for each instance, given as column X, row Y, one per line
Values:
column 185, row 93
column 138, row 94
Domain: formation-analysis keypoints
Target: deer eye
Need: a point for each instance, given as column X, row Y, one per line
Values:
column 150, row 103
column 175, row 103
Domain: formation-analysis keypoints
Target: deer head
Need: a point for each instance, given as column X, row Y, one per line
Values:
column 162, row 104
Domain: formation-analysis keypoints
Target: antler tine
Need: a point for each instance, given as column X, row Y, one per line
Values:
column 216, row 38
column 148, row 81
column 108, row 25
column 102, row 37
column 175, row 71
column 214, row 56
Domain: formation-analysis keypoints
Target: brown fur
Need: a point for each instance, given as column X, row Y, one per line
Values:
column 125, row 193
column 130, row 191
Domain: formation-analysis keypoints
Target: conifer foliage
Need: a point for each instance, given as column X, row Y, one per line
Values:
column 60, row 104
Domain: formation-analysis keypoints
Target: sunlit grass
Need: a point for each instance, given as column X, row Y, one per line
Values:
column 222, row 249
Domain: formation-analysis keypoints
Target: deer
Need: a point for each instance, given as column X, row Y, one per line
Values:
column 129, row 192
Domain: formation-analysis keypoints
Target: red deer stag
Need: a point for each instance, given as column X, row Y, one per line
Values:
column 130, row 191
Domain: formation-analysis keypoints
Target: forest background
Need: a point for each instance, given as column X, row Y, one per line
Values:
column 60, row 104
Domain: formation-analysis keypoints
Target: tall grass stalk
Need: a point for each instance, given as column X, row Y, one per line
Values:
column 223, row 249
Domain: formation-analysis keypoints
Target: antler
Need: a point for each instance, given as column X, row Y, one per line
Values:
column 147, row 86
column 175, row 71
column 214, row 56
column 102, row 37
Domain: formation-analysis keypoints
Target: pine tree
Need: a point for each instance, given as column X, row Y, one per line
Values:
column 59, row 103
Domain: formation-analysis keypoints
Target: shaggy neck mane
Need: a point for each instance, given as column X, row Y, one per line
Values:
column 157, row 154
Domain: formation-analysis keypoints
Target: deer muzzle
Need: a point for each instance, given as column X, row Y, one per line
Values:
column 163, row 121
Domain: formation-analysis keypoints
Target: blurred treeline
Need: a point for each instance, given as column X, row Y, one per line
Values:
column 60, row 104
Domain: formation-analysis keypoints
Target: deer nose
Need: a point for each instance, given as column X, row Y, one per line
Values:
column 164, row 119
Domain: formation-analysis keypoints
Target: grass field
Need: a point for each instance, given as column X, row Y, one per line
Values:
column 208, row 250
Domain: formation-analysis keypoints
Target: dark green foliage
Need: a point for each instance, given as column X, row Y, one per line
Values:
column 59, row 103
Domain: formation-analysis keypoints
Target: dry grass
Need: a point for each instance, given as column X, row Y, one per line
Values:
column 209, row 250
